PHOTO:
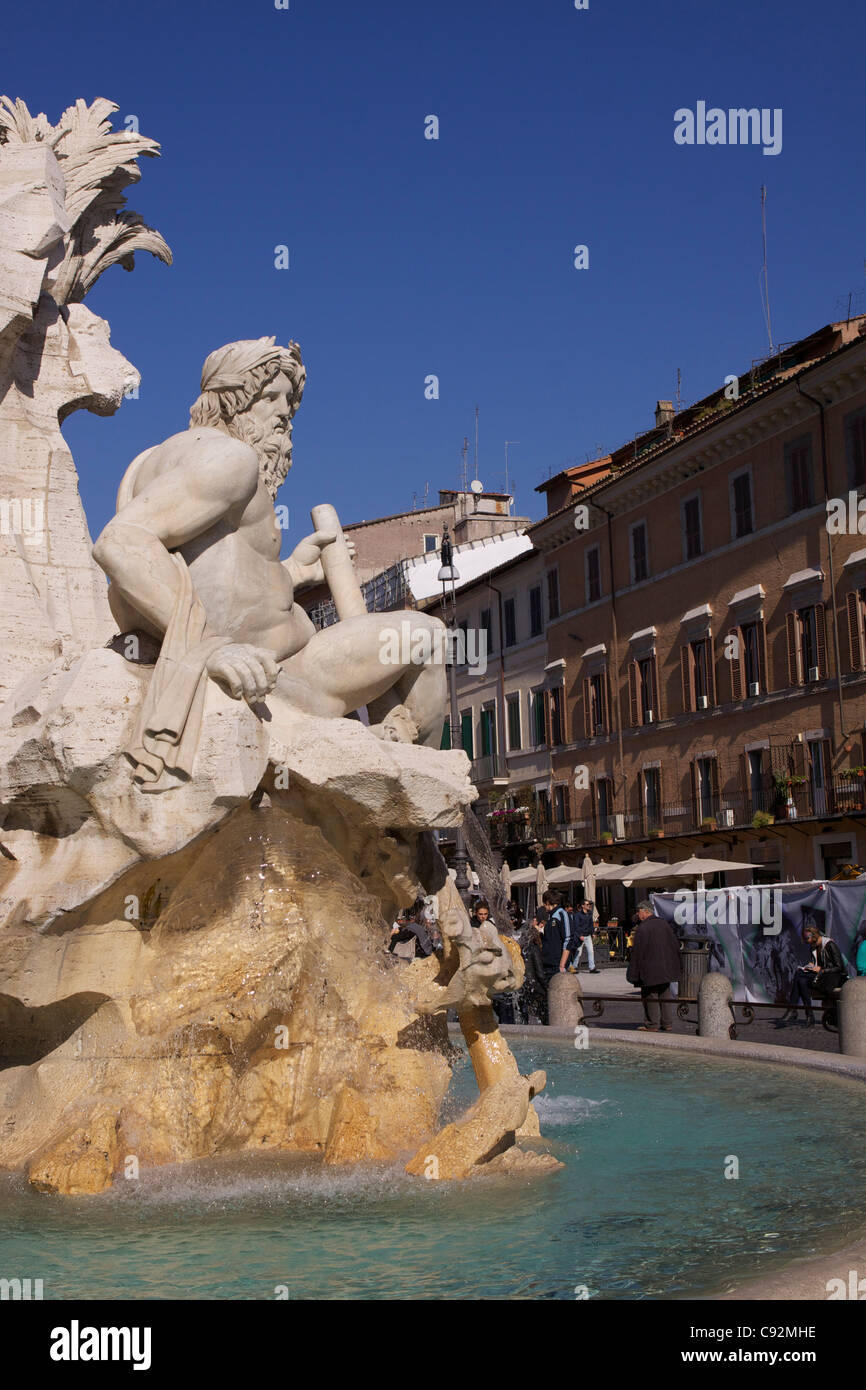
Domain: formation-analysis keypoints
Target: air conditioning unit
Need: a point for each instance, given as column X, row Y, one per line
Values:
column 727, row 817
column 649, row 717
column 568, row 835
column 813, row 673
column 619, row 827
column 754, row 688
column 703, row 702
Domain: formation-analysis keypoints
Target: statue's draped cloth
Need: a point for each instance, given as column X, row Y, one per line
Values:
column 167, row 733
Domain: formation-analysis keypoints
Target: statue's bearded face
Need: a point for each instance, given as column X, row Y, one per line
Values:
column 266, row 424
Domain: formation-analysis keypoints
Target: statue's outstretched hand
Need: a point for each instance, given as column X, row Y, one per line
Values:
column 307, row 557
column 244, row 670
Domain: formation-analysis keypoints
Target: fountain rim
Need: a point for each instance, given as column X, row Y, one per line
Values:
column 798, row 1279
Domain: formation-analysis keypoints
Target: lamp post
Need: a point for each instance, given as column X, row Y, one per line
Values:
column 448, row 575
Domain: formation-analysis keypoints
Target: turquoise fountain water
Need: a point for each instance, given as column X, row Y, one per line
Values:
column 642, row 1208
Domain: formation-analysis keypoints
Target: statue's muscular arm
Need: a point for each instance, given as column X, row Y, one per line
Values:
column 190, row 497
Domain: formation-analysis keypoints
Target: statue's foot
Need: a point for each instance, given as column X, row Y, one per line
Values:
column 398, row 726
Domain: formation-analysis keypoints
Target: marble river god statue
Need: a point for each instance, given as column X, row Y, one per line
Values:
column 185, row 809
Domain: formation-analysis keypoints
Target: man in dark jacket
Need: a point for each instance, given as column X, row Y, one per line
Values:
column 555, row 947
column 654, row 965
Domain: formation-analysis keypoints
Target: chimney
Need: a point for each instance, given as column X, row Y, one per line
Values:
column 664, row 412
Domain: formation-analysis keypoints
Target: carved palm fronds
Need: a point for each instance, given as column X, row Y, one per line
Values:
column 97, row 164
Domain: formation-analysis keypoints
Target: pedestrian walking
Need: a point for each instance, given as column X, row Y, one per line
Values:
column 654, row 965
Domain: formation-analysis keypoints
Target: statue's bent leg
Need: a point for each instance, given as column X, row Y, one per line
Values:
column 380, row 660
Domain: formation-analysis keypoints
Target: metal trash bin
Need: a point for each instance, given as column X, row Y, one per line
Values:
column 695, row 955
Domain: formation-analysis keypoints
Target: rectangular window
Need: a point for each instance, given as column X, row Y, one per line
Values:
column 639, row 565
column 699, row 673
column 514, row 737
column 466, row 733
column 487, row 628
column 539, row 718
column 807, row 623
column 751, row 657
column 652, row 795
column 556, row 716
column 798, row 474
column 604, row 805
column 536, row 621
column 597, row 706
column 855, row 448
column 741, row 490
column 706, row 788
column 646, row 689
column 488, row 731
column 692, row 538
column 510, row 622
column 431, row 543
column 593, row 575
column 560, row 804
column 552, row 594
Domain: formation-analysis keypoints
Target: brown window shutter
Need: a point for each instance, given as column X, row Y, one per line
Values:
column 594, row 785
column 654, row 682
column 762, row 656
column 793, row 650
column 605, row 710
column 736, row 664
column 714, row 781
column 693, row 769
column 821, row 631
column 855, row 646
column 632, row 692
column 686, row 672
column 587, row 709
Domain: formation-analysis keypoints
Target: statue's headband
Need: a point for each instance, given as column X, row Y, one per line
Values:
column 227, row 368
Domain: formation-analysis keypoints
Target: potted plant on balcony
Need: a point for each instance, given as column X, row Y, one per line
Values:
column 761, row 819
column 656, row 834
column 852, row 793
column 709, row 823
column 606, row 837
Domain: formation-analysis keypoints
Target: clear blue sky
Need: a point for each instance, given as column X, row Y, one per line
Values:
column 305, row 127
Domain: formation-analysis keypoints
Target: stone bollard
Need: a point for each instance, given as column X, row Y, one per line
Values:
column 564, row 996
column 714, row 1013
column 852, row 1017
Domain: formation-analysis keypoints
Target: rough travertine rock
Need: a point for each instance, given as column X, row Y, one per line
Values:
column 60, row 227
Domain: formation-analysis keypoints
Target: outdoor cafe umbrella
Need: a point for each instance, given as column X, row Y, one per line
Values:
column 588, row 872
column 702, row 868
column 540, row 881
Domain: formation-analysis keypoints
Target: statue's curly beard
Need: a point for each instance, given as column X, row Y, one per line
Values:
column 274, row 450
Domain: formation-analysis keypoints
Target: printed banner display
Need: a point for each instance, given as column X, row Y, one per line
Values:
column 755, row 934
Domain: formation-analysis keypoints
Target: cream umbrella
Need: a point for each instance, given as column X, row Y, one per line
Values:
column 589, row 876
column 505, row 878
column 540, row 881
column 701, row 868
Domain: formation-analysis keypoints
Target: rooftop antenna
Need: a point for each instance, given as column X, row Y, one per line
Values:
column 765, row 288
column 463, row 476
column 507, row 442
column 679, row 389
column 476, row 443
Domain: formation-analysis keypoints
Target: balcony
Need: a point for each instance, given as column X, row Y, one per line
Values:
column 753, row 810
column 490, row 771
